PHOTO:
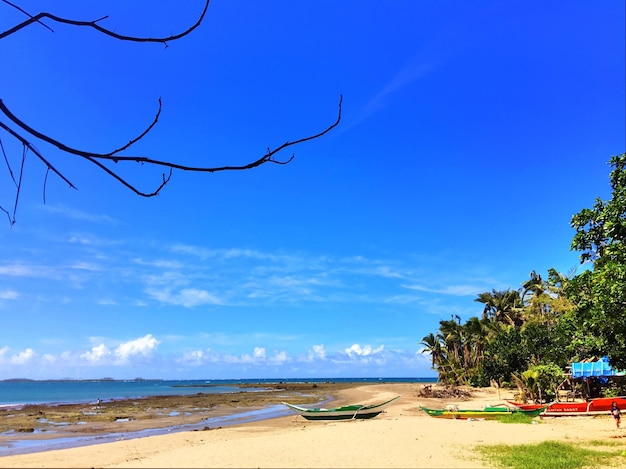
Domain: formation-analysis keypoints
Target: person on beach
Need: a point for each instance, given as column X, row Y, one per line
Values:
column 615, row 412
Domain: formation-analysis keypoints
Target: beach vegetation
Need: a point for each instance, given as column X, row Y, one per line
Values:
column 604, row 443
column 517, row 417
column 550, row 455
column 526, row 337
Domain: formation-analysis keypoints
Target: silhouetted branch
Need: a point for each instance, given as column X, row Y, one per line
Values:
column 61, row 146
column 94, row 24
column 27, row 144
column 97, row 158
column 27, row 14
column 93, row 157
column 6, row 160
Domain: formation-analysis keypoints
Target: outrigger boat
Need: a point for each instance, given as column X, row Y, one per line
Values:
column 598, row 406
column 347, row 412
column 488, row 413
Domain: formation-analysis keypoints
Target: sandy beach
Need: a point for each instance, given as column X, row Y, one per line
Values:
column 403, row 436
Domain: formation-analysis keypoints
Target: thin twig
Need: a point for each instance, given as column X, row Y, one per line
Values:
column 36, row 152
column 19, row 183
column 26, row 13
column 6, row 160
column 45, row 184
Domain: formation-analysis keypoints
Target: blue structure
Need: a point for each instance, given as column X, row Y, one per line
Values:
column 600, row 368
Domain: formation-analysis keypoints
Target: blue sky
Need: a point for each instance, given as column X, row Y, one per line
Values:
column 471, row 133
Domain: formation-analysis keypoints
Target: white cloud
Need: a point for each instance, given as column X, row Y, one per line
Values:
column 159, row 263
column 259, row 353
column 280, row 357
column 85, row 266
column 78, row 214
column 455, row 290
column 21, row 270
column 9, row 295
column 48, row 358
column 366, row 351
column 187, row 297
column 106, row 302
column 97, row 353
column 23, row 357
column 194, row 357
column 317, row 352
column 144, row 346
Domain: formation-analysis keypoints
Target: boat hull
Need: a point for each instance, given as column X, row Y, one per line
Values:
column 599, row 406
column 488, row 413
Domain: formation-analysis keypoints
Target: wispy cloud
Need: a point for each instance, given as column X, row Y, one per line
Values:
column 78, row 214
column 9, row 295
column 455, row 290
column 18, row 269
column 187, row 297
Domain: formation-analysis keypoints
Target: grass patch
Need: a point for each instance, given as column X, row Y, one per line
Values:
column 604, row 443
column 549, row 455
column 516, row 417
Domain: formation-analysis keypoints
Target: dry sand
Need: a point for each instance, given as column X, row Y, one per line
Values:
column 403, row 436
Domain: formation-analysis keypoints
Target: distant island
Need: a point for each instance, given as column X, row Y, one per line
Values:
column 79, row 380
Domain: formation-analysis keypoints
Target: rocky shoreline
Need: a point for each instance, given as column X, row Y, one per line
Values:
column 123, row 416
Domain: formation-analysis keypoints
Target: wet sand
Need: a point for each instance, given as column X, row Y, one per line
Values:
column 403, row 436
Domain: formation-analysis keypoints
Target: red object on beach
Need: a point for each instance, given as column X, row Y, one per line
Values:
column 598, row 406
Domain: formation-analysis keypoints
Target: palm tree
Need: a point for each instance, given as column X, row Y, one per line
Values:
column 452, row 338
column 534, row 286
column 546, row 300
column 534, row 297
column 476, row 336
column 502, row 306
column 432, row 344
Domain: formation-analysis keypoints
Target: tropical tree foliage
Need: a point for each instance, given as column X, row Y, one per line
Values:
column 527, row 336
column 600, row 294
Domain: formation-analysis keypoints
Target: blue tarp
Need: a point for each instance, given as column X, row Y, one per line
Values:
column 599, row 368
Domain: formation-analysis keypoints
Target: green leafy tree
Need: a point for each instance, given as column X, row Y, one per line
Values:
column 600, row 294
column 539, row 382
column 504, row 354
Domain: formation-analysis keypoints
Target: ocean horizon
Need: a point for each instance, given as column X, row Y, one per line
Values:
column 19, row 391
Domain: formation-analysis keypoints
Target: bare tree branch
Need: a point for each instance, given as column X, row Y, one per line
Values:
column 94, row 157
column 98, row 158
column 141, row 159
column 28, row 145
column 94, row 24
column 61, row 146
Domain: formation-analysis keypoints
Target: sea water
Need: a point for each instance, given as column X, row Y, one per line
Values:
column 79, row 391
column 20, row 392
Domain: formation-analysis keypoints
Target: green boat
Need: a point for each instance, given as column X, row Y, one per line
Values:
column 488, row 413
column 347, row 412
